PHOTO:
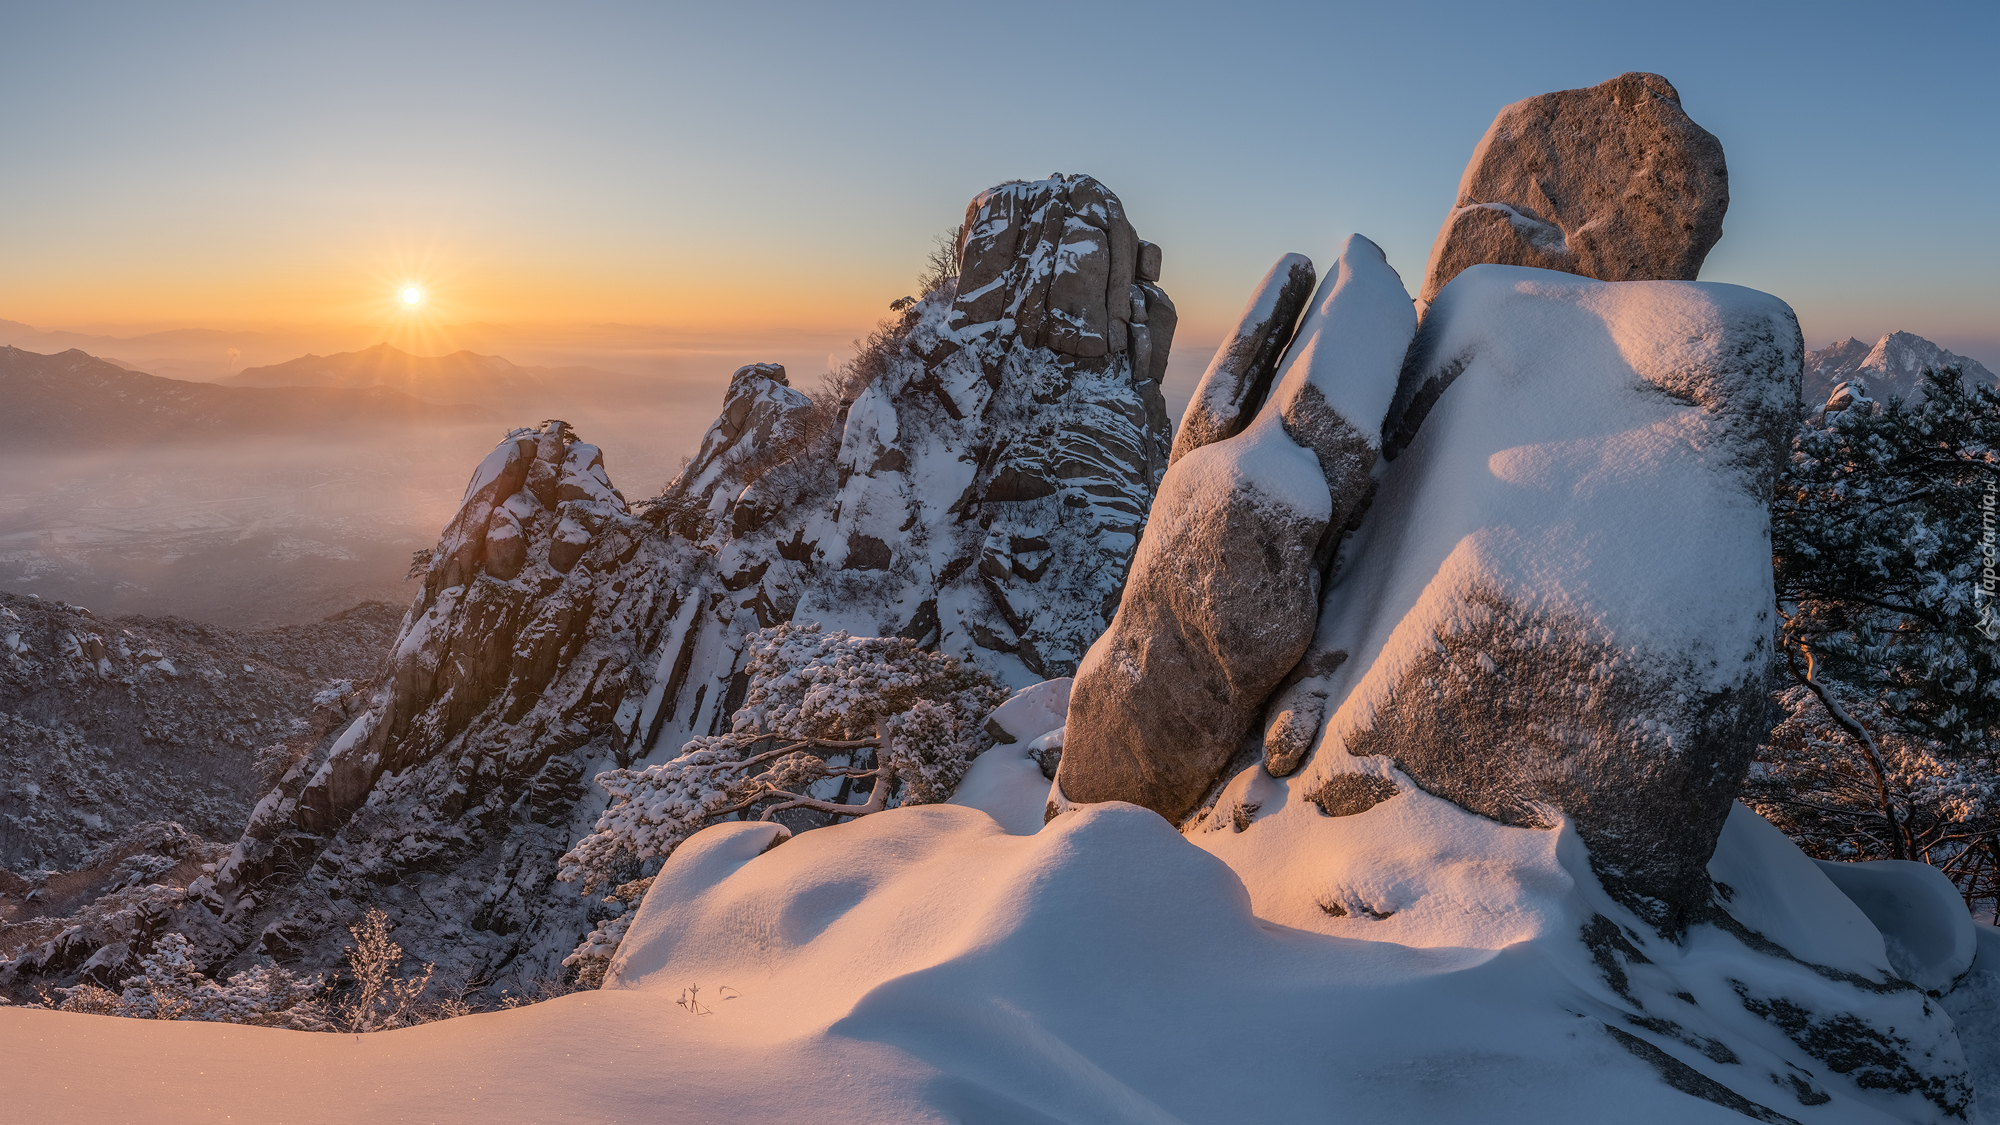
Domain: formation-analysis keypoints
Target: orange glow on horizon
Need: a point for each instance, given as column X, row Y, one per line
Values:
column 363, row 286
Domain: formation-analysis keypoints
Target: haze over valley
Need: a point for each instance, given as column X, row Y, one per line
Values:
column 289, row 485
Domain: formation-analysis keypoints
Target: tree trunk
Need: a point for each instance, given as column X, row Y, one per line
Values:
column 1898, row 848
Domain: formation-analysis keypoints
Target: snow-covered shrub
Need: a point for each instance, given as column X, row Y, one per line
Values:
column 1879, row 540
column 171, row 987
column 821, row 708
column 592, row 959
column 381, row 1000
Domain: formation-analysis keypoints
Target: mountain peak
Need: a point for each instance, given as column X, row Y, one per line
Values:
column 1890, row 367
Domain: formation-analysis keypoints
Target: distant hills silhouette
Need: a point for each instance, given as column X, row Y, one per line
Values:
column 73, row 401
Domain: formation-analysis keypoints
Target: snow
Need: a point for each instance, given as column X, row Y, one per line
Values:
column 1975, row 1006
column 1103, row 970
column 1771, row 886
column 505, row 455
column 1358, row 326
column 1929, row 936
column 1006, row 784
column 1035, row 710
column 937, row 963
column 1556, row 475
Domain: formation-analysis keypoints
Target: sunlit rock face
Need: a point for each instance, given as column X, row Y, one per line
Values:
column 1614, row 182
column 982, row 493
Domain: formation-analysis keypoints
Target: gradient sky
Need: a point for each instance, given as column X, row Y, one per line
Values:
column 747, row 168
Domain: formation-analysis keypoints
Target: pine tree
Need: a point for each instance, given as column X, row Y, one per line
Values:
column 1883, row 539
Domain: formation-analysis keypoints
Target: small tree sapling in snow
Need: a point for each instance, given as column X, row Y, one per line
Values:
column 826, row 713
column 381, row 999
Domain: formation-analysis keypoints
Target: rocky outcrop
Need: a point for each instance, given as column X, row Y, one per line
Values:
column 981, row 491
column 1239, row 376
column 1614, row 182
column 450, row 794
column 1226, row 586
column 1559, row 605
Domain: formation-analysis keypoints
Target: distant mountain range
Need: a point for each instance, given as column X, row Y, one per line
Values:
column 1889, row 369
column 195, row 354
column 462, row 376
column 75, row 401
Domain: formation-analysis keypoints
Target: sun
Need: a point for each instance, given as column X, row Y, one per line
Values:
column 412, row 295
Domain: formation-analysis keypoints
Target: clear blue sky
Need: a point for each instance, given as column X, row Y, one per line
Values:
column 749, row 166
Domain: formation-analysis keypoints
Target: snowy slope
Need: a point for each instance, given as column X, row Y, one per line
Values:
column 926, row 965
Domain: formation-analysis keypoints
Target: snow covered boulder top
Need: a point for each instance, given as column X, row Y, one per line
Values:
column 1614, row 182
column 1239, row 376
column 1559, row 604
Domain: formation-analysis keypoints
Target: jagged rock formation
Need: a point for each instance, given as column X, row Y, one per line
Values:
column 1889, row 369
column 1226, row 587
column 455, row 787
column 990, row 482
column 982, row 494
column 1613, row 182
column 1022, row 427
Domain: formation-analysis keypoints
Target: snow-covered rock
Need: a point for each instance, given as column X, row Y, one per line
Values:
column 1889, row 369
column 1613, row 182
column 1559, row 604
column 1225, row 587
column 454, row 788
column 997, row 475
column 1239, row 376
column 928, row 964
column 1052, row 976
